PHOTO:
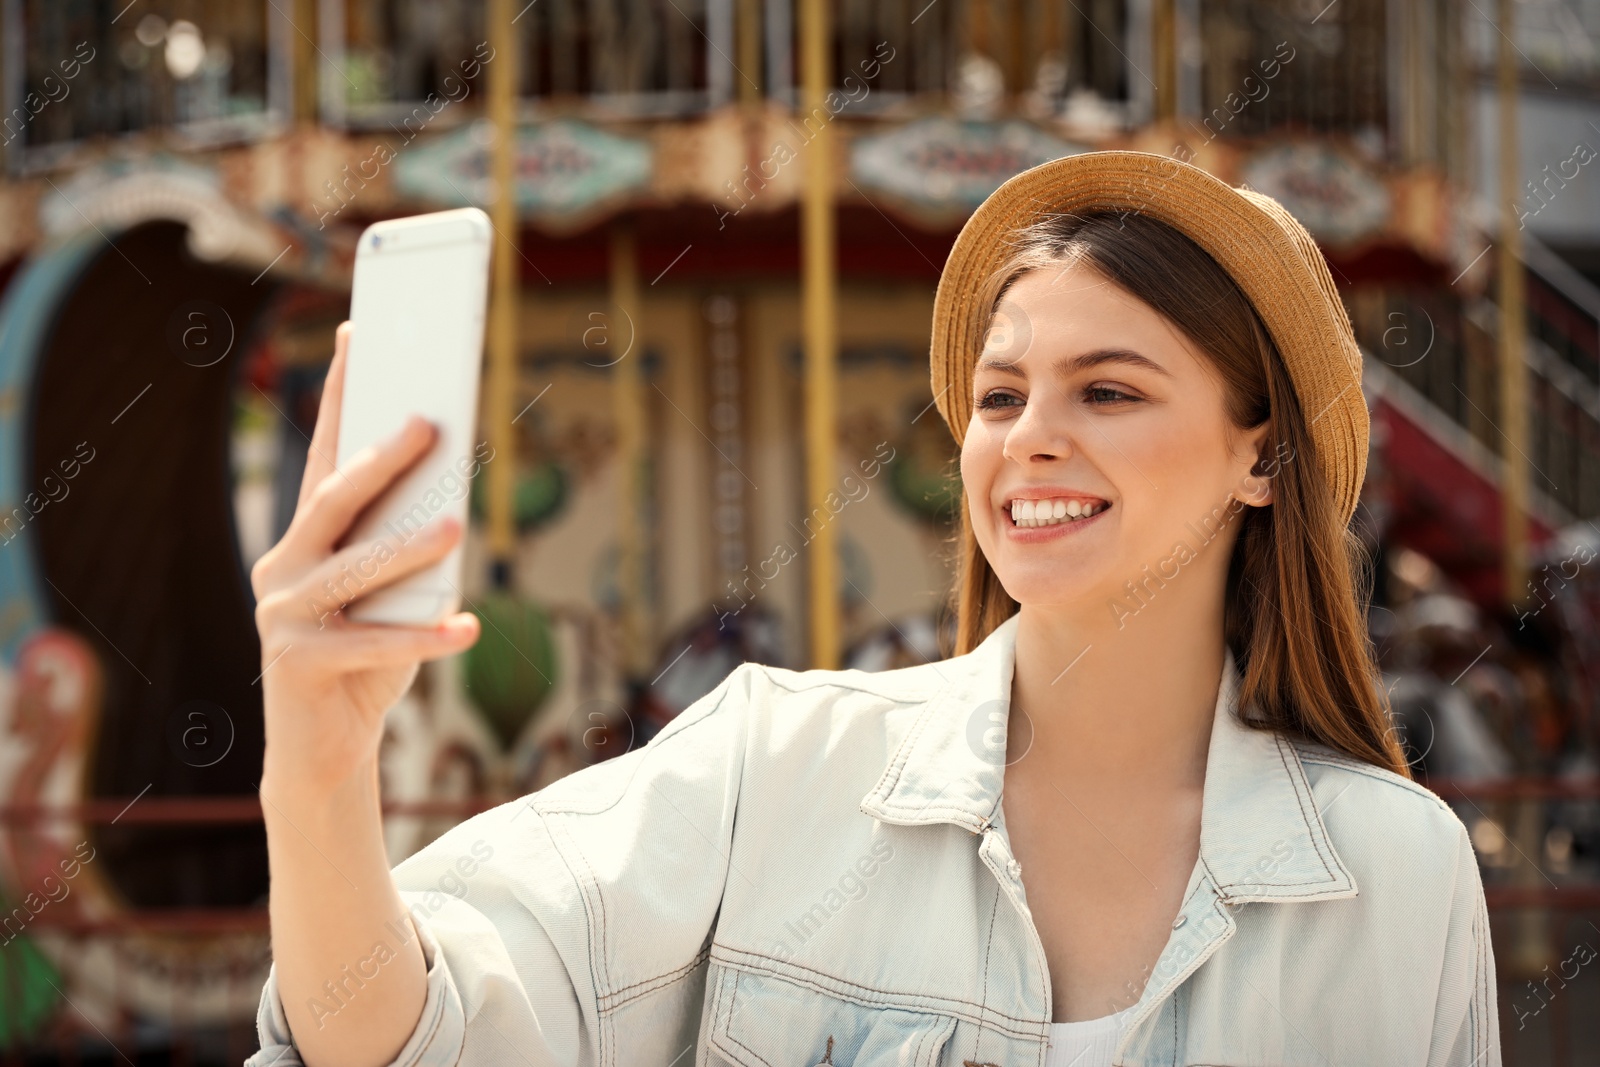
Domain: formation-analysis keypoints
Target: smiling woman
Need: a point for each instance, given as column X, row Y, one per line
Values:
column 1157, row 398
column 1186, row 839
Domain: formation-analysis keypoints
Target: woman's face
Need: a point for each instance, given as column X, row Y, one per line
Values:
column 1087, row 396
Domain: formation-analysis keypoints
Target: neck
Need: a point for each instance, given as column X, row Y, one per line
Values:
column 1122, row 701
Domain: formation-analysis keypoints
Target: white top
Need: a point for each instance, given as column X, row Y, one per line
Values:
column 1090, row 1043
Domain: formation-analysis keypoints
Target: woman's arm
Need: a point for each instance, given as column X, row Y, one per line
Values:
column 570, row 927
column 326, row 683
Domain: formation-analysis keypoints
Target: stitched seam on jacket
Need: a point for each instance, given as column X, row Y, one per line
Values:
column 1210, row 874
column 1274, row 885
column 1472, row 1001
column 733, row 1009
column 653, row 746
column 916, row 1055
column 615, row 1001
column 1375, row 773
column 1313, row 822
column 553, row 826
column 983, row 996
column 434, row 1024
column 830, row 684
column 722, row 997
column 891, row 776
column 868, row 997
column 1216, row 905
column 864, row 994
column 1480, row 981
column 944, row 1023
column 1175, row 1026
column 1472, row 998
column 907, row 809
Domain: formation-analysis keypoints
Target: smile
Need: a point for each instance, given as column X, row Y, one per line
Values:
column 1055, row 511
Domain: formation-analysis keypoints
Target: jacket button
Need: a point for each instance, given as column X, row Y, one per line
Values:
column 1179, row 921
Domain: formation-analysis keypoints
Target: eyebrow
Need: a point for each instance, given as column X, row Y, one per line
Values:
column 1088, row 360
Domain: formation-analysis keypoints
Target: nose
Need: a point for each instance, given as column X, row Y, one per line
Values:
column 1042, row 432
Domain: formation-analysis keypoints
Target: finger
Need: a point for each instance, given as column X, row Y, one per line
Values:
column 361, row 569
column 371, row 647
column 325, row 437
column 326, row 515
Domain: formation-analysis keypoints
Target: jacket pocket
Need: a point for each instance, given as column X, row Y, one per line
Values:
column 758, row 1020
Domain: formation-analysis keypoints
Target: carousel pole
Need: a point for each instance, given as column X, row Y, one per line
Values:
column 1531, row 946
column 500, row 396
column 1164, row 47
column 629, row 407
column 818, row 315
column 1513, row 323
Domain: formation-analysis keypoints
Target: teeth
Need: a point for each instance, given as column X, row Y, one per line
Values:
column 1052, row 512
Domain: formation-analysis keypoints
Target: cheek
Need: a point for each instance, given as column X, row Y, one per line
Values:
column 979, row 455
column 1188, row 462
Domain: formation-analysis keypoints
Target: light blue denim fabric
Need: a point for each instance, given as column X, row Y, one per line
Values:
column 812, row 867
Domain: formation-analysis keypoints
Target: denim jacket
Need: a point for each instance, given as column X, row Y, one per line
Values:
column 812, row 867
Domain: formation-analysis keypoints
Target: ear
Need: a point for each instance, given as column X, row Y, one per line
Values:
column 1256, row 487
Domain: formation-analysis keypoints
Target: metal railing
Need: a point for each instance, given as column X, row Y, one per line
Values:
column 1444, row 347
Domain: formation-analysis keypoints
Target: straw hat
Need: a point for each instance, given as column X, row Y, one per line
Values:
column 1251, row 236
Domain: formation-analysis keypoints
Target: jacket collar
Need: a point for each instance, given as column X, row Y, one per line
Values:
column 1261, row 837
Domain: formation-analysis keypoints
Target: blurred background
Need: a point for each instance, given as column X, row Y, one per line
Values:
column 719, row 225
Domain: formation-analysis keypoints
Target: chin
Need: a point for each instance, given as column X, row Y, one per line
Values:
column 1052, row 587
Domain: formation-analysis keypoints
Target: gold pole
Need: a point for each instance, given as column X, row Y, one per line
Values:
column 820, row 328
column 748, row 14
column 1165, row 50
column 500, row 396
column 1531, row 943
column 1513, row 367
column 305, row 74
column 978, row 18
column 622, row 344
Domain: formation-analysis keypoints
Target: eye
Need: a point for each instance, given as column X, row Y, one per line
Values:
column 993, row 398
column 1105, row 394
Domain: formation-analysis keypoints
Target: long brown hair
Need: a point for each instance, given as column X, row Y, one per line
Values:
column 1294, row 610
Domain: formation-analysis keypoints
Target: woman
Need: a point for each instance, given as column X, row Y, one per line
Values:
column 1208, row 851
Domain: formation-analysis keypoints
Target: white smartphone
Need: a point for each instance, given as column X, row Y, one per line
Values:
column 417, row 307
